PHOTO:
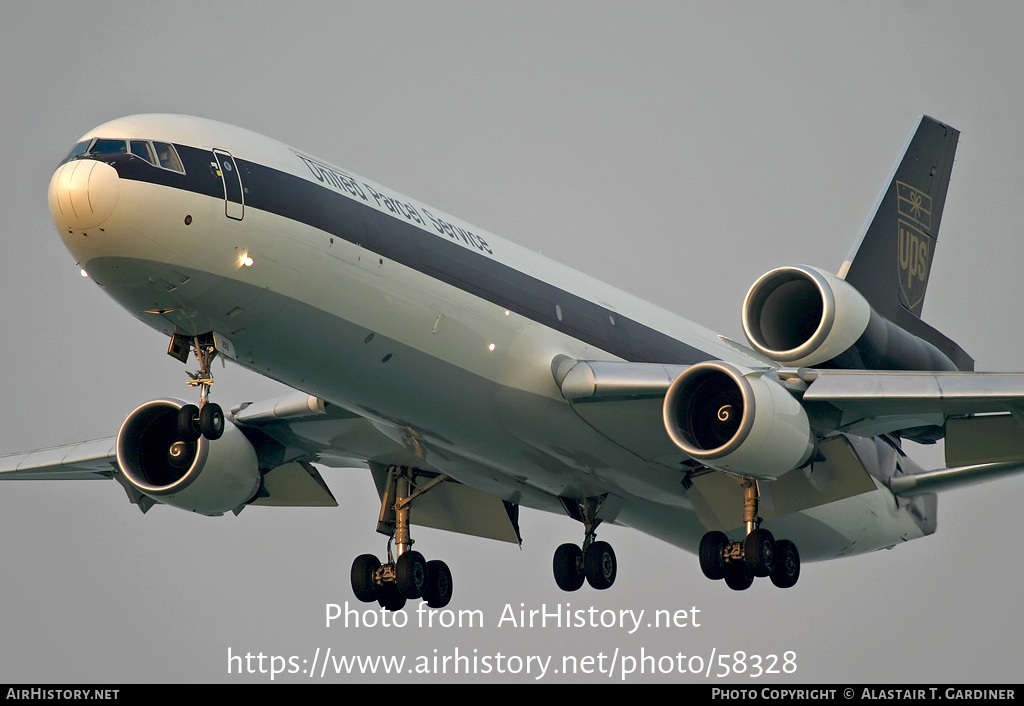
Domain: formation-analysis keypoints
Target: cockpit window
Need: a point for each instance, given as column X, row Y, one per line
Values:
column 108, row 147
column 77, row 150
column 168, row 157
column 141, row 148
column 159, row 154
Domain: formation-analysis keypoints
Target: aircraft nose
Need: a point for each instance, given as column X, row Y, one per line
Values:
column 83, row 193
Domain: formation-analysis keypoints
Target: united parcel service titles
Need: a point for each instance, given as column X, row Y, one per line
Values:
column 349, row 186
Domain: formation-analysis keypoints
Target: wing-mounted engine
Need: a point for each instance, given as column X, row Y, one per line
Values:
column 803, row 316
column 206, row 477
column 737, row 420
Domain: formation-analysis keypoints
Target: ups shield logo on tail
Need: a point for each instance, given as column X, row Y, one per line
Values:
column 915, row 245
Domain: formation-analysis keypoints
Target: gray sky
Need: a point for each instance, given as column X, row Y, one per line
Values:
column 676, row 150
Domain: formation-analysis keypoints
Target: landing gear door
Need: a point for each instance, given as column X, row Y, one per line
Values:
column 234, row 204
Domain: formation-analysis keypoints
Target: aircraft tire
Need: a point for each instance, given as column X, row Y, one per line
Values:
column 759, row 552
column 600, row 566
column 188, row 423
column 738, row 577
column 211, row 421
column 439, row 584
column 363, row 585
column 411, row 575
column 568, row 567
column 787, row 564
column 711, row 553
column 389, row 598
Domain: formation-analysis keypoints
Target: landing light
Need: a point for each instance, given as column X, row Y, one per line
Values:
column 490, row 347
column 247, row 261
column 84, row 273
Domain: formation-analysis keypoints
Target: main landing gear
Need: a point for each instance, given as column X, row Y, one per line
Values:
column 594, row 562
column 410, row 576
column 758, row 555
column 208, row 418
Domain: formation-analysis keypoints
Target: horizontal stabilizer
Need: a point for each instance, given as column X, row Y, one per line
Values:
column 983, row 439
column 949, row 478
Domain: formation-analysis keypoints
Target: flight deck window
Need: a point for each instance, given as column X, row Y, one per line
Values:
column 168, row 157
column 77, row 150
column 109, row 147
column 159, row 154
column 141, row 148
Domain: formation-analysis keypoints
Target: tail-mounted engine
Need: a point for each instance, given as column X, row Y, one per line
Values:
column 803, row 316
column 207, row 477
column 737, row 420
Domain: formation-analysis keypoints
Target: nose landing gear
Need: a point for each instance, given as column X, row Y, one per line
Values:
column 207, row 421
column 208, row 418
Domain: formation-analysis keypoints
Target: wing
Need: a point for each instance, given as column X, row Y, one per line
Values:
column 855, row 418
column 880, row 402
column 289, row 435
column 83, row 461
column 981, row 416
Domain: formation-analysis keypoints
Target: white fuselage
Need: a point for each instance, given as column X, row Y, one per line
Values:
column 439, row 333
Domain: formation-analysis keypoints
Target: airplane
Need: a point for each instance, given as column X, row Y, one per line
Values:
column 473, row 377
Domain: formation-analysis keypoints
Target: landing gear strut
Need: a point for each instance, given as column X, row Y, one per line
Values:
column 758, row 555
column 594, row 562
column 409, row 576
column 208, row 418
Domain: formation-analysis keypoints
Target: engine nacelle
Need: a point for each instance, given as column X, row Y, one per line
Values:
column 803, row 316
column 737, row 420
column 207, row 477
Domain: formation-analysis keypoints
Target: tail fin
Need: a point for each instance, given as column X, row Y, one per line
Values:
column 892, row 258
